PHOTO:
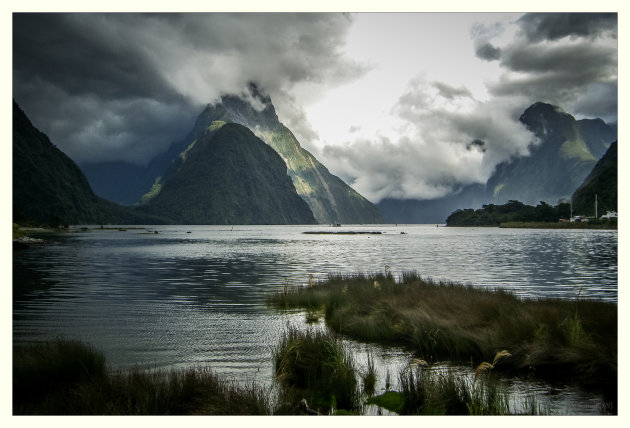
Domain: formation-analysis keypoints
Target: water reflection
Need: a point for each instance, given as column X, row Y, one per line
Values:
column 176, row 299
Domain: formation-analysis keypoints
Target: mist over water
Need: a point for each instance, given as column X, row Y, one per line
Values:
column 177, row 299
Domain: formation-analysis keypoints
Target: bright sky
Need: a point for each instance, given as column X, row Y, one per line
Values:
column 400, row 47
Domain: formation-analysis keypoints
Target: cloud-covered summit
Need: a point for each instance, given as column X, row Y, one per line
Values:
column 106, row 84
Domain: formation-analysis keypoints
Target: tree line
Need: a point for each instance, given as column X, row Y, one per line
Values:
column 512, row 211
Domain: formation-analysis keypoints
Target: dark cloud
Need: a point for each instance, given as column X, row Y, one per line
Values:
column 560, row 74
column 476, row 144
column 488, row 52
column 127, row 85
column 564, row 59
column 554, row 26
column 580, row 61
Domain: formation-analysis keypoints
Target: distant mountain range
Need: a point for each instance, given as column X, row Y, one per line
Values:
column 566, row 153
column 329, row 198
column 240, row 164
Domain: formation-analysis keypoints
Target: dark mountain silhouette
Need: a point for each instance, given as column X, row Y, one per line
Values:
column 227, row 176
column 50, row 189
column 330, row 199
column 602, row 181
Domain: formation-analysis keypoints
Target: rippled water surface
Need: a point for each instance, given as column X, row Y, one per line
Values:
column 194, row 295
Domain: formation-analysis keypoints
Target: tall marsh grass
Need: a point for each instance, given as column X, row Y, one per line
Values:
column 314, row 365
column 429, row 391
column 574, row 339
column 70, row 378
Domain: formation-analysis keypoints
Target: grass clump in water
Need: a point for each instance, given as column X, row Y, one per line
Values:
column 369, row 377
column 314, row 365
column 571, row 339
column 425, row 391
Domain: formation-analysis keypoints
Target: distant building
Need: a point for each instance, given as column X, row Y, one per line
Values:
column 609, row 215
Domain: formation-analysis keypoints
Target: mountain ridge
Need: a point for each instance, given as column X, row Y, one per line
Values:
column 331, row 200
column 228, row 176
column 567, row 151
column 50, row 189
column 602, row 182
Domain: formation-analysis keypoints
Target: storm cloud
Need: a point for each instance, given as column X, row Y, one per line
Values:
column 124, row 86
column 554, row 26
column 561, row 58
column 488, row 52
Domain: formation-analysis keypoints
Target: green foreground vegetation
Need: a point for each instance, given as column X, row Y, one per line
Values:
column 71, row 378
column 556, row 339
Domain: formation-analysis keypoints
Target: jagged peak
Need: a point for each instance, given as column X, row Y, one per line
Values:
column 540, row 108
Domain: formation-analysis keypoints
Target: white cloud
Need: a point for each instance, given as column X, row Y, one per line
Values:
column 434, row 152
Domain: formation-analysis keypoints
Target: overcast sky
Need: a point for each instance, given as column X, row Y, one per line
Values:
column 404, row 105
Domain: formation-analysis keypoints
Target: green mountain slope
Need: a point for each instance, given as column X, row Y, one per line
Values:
column 555, row 167
column 602, row 181
column 50, row 189
column 227, row 176
column 330, row 199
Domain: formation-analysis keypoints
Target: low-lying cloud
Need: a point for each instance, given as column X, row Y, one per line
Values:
column 447, row 139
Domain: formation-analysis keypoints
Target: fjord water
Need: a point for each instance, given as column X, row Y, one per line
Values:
column 195, row 295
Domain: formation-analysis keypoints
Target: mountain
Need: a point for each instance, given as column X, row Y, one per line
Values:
column 566, row 151
column 330, row 199
column 227, row 176
column 556, row 166
column 415, row 211
column 50, row 189
column 602, row 181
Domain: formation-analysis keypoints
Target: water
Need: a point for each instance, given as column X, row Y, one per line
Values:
column 194, row 295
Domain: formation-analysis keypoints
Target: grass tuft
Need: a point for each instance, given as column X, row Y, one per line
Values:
column 314, row 365
column 369, row 377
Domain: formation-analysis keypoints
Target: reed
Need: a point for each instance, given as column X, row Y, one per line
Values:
column 574, row 339
column 314, row 365
column 368, row 375
column 70, row 378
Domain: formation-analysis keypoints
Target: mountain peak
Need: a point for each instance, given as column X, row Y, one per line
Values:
column 544, row 119
column 540, row 110
column 228, row 176
column 330, row 199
